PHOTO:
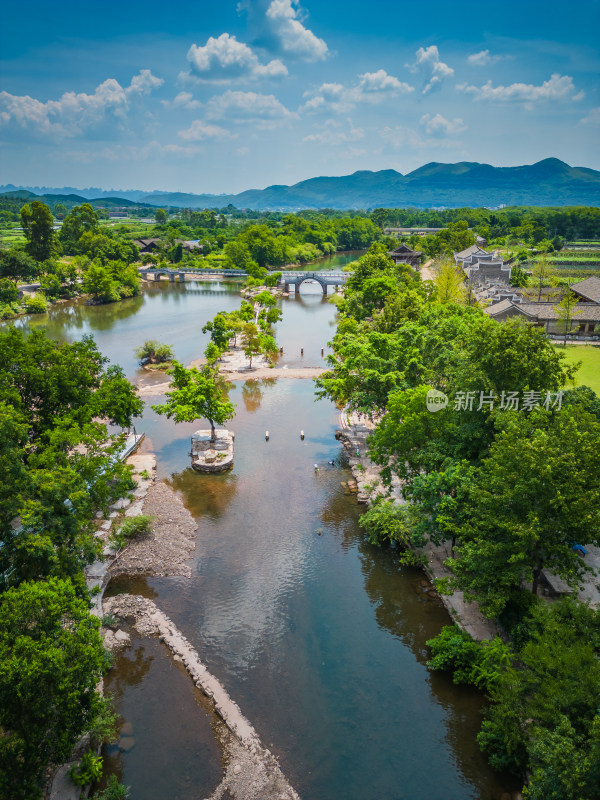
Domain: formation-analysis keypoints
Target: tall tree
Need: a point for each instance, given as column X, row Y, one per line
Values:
column 51, row 658
column 38, row 222
column 197, row 394
column 449, row 282
column 533, row 498
column 82, row 219
column 566, row 310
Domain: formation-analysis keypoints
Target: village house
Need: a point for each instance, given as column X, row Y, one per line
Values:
column 585, row 316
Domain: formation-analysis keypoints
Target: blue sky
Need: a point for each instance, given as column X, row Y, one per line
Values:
column 226, row 96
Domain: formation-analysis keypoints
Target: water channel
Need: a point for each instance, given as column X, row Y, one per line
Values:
column 318, row 636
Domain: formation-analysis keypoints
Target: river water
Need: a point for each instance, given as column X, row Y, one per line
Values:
column 318, row 636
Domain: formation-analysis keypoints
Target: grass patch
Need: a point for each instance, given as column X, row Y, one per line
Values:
column 589, row 372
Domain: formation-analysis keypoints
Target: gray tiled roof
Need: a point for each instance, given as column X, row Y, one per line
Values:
column 589, row 288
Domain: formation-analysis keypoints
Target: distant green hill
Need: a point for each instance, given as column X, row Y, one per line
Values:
column 550, row 182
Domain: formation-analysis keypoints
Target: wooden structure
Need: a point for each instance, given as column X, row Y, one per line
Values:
column 404, row 255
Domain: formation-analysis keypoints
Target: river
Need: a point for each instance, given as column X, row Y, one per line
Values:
column 318, row 636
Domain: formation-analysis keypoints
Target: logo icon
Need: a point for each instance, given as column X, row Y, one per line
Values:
column 436, row 401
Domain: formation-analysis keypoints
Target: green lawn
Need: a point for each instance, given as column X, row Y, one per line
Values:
column 589, row 372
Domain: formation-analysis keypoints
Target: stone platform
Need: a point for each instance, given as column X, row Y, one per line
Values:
column 212, row 456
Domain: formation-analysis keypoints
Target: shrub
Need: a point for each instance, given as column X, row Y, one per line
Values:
column 35, row 304
column 131, row 528
column 154, row 352
column 87, row 771
column 114, row 790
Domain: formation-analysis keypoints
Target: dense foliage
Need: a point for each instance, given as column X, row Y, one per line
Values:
column 505, row 469
column 58, row 465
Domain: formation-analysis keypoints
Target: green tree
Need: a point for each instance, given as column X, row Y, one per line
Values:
column 543, row 273
column 51, row 658
column 197, row 394
column 38, row 222
column 237, row 256
column 161, row 216
column 532, row 499
column 17, row 265
column 566, row 311
column 449, row 282
column 99, row 282
column 154, row 352
column 81, row 219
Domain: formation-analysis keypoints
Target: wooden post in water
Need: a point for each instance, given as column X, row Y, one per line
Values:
column 301, row 351
column 266, row 436
column 322, row 352
column 302, row 435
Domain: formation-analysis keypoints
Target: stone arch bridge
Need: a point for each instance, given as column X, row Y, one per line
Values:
column 290, row 281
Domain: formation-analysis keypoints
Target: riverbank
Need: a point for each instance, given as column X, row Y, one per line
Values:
column 251, row 772
column 354, row 432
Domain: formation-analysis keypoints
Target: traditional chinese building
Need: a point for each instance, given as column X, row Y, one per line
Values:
column 404, row 255
column 585, row 315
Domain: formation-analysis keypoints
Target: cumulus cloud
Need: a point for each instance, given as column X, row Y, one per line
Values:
column 264, row 109
column 74, row 112
column 335, row 133
column 200, row 130
column 428, row 65
column 183, row 100
column 483, row 58
column 558, row 87
column 438, row 125
column 280, row 28
column 224, row 59
column 371, row 87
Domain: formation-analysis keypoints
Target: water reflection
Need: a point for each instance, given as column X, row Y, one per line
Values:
column 167, row 747
column 205, row 495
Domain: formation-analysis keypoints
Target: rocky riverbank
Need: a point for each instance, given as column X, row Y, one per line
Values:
column 252, row 771
column 354, row 432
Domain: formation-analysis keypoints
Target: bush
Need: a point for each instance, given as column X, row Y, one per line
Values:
column 154, row 352
column 131, row 528
column 87, row 771
column 35, row 304
column 8, row 291
column 114, row 790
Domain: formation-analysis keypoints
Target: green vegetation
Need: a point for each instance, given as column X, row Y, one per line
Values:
column 58, row 465
column 511, row 485
column 588, row 357
column 197, row 394
column 132, row 528
column 153, row 352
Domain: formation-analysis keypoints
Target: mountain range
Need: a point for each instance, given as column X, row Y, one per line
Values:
column 550, row 182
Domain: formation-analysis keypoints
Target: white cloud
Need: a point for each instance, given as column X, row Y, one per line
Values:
column 438, row 125
column 248, row 106
column 433, row 70
column 335, row 133
column 372, row 87
column 143, row 83
column 558, row 87
column 74, row 112
column 183, row 100
column 284, row 21
column 380, row 81
column 593, row 117
column 199, row 130
column 224, row 59
column 483, row 58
